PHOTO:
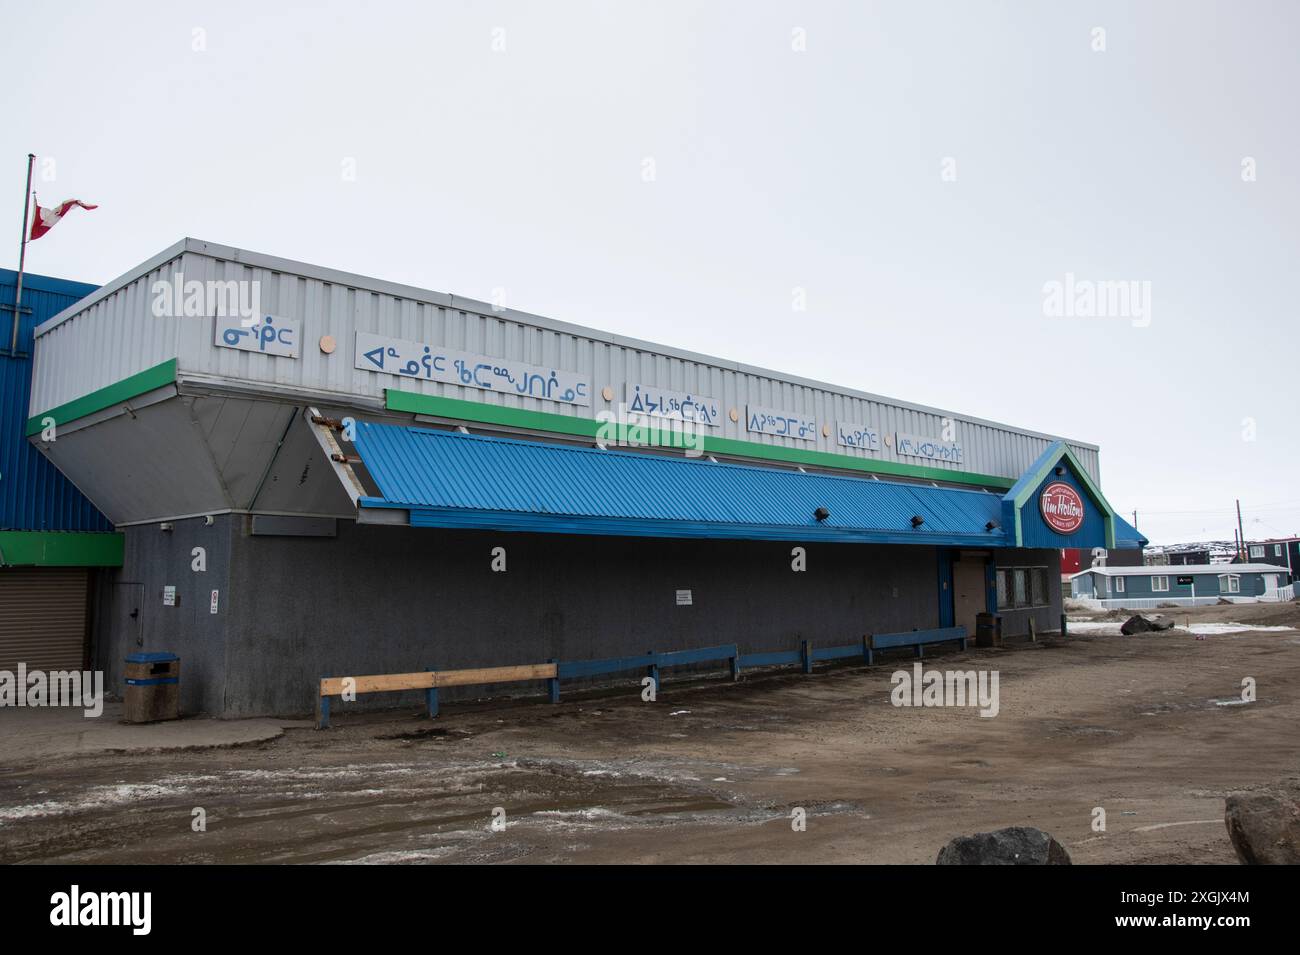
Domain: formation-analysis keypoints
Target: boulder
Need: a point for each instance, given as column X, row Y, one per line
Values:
column 1264, row 825
column 1135, row 624
column 1017, row 845
column 1140, row 624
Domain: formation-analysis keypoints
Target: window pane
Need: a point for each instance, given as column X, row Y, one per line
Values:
column 1002, row 589
column 1020, row 587
column 1038, row 587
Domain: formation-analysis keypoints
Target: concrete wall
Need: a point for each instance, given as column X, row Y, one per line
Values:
column 394, row 599
column 390, row 599
column 152, row 560
column 1015, row 623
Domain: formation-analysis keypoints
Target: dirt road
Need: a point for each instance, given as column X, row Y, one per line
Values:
column 713, row 771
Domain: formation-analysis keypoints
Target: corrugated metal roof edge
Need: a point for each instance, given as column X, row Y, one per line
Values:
column 701, row 461
column 468, row 519
column 446, row 300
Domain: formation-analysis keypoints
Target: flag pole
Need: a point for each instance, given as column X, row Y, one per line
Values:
column 22, row 258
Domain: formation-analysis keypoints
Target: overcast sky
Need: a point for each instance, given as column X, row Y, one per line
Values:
column 676, row 171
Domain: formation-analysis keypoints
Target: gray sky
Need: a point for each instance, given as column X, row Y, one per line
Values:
column 774, row 169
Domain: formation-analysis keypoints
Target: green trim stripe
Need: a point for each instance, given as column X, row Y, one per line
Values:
column 106, row 397
column 60, row 549
column 459, row 409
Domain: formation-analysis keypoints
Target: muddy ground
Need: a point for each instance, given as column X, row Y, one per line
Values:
column 713, row 770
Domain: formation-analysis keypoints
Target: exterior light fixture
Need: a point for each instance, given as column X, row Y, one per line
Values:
column 917, row 520
column 990, row 525
column 821, row 513
column 1059, row 470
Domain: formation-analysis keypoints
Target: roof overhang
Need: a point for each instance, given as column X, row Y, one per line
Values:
column 428, row 477
column 1056, row 460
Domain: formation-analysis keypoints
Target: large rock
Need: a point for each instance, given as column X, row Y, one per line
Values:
column 1140, row 624
column 1017, row 845
column 1264, row 825
column 1135, row 624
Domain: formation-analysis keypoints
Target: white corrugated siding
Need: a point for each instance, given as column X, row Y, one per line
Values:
column 119, row 336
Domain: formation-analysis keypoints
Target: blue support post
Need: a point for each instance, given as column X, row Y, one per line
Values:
column 431, row 695
column 553, row 684
column 735, row 665
column 652, row 671
column 806, row 655
column 919, row 652
column 866, row 650
column 323, row 719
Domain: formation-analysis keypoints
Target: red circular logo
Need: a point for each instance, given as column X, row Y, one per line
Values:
column 1061, row 507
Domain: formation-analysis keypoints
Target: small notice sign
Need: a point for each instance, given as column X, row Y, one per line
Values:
column 684, row 598
column 169, row 596
column 1184, row 581
column 213, row 608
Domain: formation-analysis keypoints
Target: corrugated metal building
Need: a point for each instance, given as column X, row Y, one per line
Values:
column 51, row 537
column 270, row 549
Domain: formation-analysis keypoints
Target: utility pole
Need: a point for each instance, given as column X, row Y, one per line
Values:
column 1241, row 535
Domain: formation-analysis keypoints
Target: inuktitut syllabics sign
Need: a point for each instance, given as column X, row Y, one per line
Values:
column 913, row 446
column 268, row 335
column 786, row 424
column 673, row 405
column 407, row 359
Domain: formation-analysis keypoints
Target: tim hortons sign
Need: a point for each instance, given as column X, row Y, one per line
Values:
column 1061, row 507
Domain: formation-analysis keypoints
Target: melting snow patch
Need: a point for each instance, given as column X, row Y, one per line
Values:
column 1111, row 628
column 99, row 797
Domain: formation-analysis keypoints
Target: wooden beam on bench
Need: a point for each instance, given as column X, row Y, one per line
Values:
column 379, row 683
column 512, row 674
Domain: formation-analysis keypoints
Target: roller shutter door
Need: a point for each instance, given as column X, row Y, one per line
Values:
column 43, row 618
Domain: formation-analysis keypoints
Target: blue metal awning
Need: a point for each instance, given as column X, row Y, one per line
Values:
column 1128, row 537
column 450, row 479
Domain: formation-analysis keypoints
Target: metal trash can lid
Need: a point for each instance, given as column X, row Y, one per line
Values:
column 152, row 658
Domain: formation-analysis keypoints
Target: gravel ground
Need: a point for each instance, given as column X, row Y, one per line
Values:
column 714, row 771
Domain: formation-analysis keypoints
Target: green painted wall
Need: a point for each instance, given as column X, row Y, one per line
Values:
column 60, row 549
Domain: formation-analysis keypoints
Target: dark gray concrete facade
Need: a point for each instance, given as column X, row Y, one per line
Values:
column 393, row 599
column 1015, row 622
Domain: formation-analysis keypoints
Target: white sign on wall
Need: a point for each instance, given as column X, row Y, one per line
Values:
column 407, row 359
column 785, row 424
column 169, row 596
column 676, row 405
column 269, row 335
column 850, row 435
column 685, row 598
column 912, row 446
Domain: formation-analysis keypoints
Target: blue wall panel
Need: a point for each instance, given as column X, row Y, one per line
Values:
column 1036, row 533
column 34, row 495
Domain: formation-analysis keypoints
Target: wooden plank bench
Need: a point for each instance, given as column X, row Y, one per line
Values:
column 651, row 662
column 429, row 681
column 912, row 638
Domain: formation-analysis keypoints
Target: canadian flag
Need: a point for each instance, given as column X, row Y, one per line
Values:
column 47, row 219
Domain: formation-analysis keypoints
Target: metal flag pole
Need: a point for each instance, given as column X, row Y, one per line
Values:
column 22, row 258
